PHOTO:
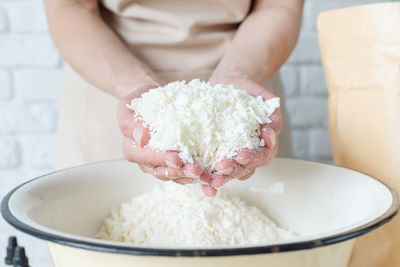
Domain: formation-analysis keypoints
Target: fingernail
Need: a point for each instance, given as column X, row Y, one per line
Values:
column 242, row 161
column 226, row 171
column 170, row 164
column 190, row 174
column 137, row 135
column 272, row 136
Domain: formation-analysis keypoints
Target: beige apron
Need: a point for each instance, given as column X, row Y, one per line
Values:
column 178, row 40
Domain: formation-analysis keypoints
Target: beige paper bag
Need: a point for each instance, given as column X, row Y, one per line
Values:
column 360, row 48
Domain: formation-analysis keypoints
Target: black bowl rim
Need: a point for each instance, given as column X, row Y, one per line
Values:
column 196, row 252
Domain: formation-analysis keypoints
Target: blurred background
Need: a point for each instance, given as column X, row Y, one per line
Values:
column 30, row 74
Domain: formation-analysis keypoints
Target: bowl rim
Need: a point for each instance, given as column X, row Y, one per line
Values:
column 196, row 252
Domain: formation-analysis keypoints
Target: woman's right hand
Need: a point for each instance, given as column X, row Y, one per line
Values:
column 165, row 165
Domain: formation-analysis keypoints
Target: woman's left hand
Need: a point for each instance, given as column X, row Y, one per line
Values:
column 243, row 165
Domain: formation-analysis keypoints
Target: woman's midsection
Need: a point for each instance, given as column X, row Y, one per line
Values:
column 176, row 35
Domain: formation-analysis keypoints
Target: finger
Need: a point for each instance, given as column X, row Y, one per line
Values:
column 270, row 155
column 127, row 121
column 230, row 168
column 218, row 181
column 130, row 126
column 250, row 172
column 269, row 136
column 253, row 158
column 273, row 153
column 225, row 166
column 192, row 170
column 167, row 174
column 205, row 177
column 149, row 156
column 209, row 190
column 276, row 121
column 244, row 156
column 145, row 168
column 184, row 181
column 189, row 170
column 141, row 134
column 153, row 171
column 275, row 149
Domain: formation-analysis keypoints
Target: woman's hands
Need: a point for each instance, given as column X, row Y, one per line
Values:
column 163, row 165
column 169, row 166
column 243, row 165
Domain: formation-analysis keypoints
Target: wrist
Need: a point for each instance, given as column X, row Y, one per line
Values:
column 135, row 83
column 237, row 82
column 230, row 77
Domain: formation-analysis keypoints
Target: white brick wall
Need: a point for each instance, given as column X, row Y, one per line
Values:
column 30, row 70
column 5, row 85
column 27, row 16
column 37, row 84
column 3, row 20
column 10, row 153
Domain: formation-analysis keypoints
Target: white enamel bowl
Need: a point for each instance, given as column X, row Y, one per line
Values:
column 327, row 205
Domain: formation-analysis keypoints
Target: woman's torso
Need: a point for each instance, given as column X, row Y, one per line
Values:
column 177, row 39
column 176, row 35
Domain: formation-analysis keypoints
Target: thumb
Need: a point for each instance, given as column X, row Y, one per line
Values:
column 140, row 134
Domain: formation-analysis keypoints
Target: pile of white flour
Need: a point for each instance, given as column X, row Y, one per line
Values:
column 203, row 122
column 179, row 215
